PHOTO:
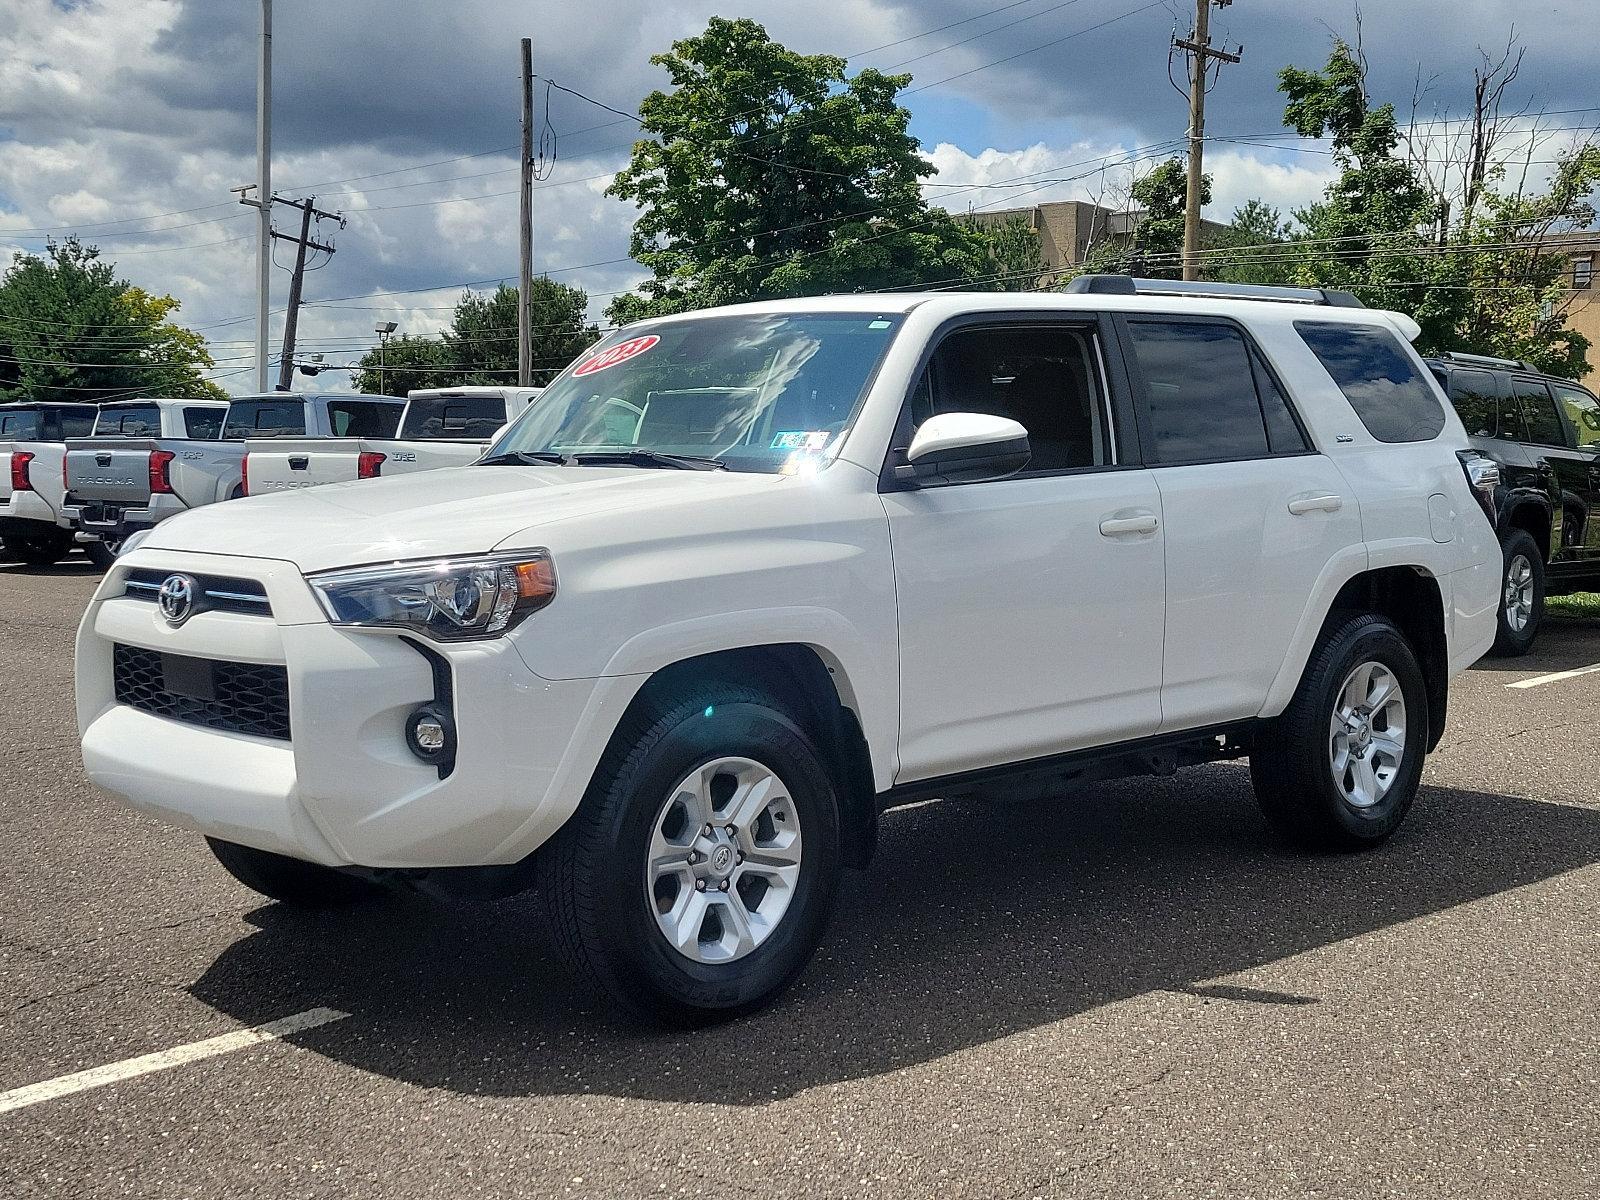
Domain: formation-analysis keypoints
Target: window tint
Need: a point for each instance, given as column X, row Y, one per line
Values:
column 1477, row 402
column 204, row 423
column 362, row 418
column 77, row 422
column 134, row 420
column 1379, row 379
column 1540, row 424
column 473, row 417
column 1582, row 413
column 265, row 418
column 1284, row 434
column 20, row 425
column 1200, row 390
column 1040, row 376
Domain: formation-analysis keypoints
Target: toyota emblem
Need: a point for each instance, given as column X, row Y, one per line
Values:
column 176, row 599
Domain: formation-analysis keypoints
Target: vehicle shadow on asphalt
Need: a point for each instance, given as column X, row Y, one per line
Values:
column 72, row 568
column 1563, row 643
column 976, row 921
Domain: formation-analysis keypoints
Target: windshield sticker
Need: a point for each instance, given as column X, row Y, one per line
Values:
column 801, row 439
column 619, row 353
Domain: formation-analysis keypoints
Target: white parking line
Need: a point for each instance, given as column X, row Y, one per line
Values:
column 161, row 1060
column 1554, row 677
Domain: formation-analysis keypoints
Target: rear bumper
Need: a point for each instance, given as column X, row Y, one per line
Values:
column 111, row 520
column 345, row 790
column 26, row 513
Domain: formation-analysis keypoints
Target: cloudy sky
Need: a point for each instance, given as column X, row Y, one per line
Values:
column 127, row 121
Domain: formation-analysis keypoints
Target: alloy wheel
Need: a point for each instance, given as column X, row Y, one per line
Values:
column 1367, row 734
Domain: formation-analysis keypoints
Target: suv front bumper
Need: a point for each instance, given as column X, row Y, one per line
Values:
column 344, row 788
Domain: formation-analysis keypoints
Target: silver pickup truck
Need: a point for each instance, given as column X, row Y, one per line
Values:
column 440, row 427
column 32, row 445
column 152, row 459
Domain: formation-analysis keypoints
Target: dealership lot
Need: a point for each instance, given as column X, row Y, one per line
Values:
column 1132, row 992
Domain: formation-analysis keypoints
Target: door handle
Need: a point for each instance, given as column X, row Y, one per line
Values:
column 1301, row 505
column 1116, row 526
column 299, row 463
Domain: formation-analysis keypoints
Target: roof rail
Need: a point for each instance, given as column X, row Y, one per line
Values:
column 1127, row 285
column 1485, row 360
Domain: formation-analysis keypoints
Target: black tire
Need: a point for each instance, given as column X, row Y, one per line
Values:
column 39, row 549
column 291, row 880
column 1291, row 763
column 1519, row 551
column 591, row 875
column 102, row 553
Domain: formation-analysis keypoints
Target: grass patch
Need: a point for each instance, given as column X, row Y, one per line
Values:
column 1582, row 605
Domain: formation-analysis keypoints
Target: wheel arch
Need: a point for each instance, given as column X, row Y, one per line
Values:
column 1534, row 516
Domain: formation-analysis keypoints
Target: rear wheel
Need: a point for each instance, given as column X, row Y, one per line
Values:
column 103, row 552
column 39, row 549
column 1340, row 768
column 291, row 880
column 1522, row 592
column 697, row 876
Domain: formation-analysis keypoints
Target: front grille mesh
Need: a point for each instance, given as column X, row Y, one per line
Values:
column 241, row 697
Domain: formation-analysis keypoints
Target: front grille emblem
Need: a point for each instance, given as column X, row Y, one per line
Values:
column 176, row 599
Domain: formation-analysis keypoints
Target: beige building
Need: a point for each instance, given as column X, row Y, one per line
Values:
column 1583, row 310
column 1070, row 229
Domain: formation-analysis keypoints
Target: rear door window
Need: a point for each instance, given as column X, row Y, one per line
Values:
column 1477, row 403
column 1582, row 413
column 265, row 418
column 203, row 423
column 1200, row 385
column 1378, row 378
column 136, row 420
column 441, row 417
column 1537, row 414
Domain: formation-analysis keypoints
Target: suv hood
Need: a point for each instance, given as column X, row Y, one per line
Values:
column 434, row 514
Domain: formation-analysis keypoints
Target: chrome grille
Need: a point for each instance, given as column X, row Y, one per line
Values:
column 216, row 593
column 237, row 697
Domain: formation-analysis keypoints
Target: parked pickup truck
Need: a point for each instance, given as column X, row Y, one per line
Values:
column 152, row 459
column 32, row 445
column 443, row 427
column 744, row 577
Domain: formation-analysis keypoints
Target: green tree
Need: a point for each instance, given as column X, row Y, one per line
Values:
column 1157, row 246
column 1014, row 255
column 481, row 344
column 71, row 329
column 772, row 173
column 1256, row 247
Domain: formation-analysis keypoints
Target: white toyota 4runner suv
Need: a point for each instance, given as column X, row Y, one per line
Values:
column 744, row 577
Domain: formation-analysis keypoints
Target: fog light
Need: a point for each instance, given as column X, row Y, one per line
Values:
column 431, row 735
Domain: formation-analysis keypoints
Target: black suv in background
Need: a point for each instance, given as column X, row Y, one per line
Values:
column 1545, row 435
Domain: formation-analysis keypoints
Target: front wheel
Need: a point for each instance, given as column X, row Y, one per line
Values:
column 1340, row 767
column 697, row 876
column 39, row 549
column 1521, row 595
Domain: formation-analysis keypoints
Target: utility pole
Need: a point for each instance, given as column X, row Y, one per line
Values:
column 263, row 201
column 304, row 242
column 525, row 265
column 1200, row 53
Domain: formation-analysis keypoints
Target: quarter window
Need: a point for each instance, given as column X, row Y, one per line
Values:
column 1046, row 378
column 1378, row 378
column 1582, row 413
column 1540, row 424
column 362, row 418
column 203, row 424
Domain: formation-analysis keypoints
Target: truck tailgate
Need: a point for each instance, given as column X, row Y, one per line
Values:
column 113, row 469
column 423, row 454
column 287, row 464
column 5, row 472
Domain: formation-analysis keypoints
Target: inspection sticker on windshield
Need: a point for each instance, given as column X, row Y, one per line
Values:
column 801, row 439
column 621, row 352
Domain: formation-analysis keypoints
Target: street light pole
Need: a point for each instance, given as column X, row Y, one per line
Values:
column 383, row 329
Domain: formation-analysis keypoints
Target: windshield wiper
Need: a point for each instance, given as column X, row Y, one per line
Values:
column 527, row 458
column 648, row 458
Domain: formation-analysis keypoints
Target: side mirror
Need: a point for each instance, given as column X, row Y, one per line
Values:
column 965, row 448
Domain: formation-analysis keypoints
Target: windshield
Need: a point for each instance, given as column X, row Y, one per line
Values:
column 129, row 420
column 750, row 391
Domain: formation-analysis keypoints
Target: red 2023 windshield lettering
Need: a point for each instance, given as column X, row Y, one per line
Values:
column 621, row 352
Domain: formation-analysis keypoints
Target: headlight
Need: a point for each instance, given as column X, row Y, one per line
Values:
column 131, row 542
column 449, row 600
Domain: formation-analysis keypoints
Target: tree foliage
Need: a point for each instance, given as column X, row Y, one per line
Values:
column 1156, row 248
column 71, row 329
column 772, row 173
column 480, row 346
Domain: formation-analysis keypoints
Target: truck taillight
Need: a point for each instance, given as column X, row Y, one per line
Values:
column 244, row 476
column 161, row 471
column 1483, row 477
column 370, row 464
column 19, row 471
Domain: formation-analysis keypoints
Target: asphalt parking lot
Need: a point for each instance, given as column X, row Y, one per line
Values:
column 1133, row 992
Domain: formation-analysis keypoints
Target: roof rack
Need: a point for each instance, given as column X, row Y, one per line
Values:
column 1127, row 285
column 1485, row 360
